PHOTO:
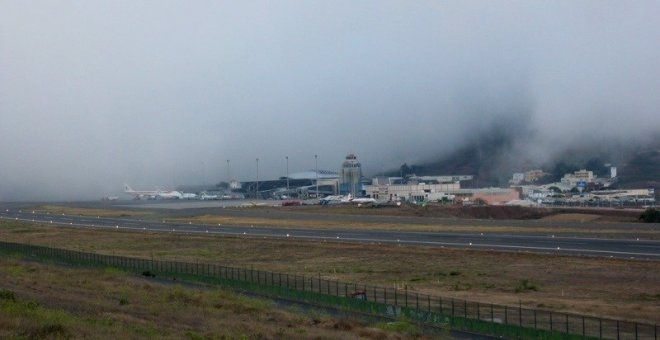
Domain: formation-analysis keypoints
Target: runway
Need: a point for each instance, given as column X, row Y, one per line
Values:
column 620, row 248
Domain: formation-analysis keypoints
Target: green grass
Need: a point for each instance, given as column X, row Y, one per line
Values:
column 525, row 285
column 401, row 326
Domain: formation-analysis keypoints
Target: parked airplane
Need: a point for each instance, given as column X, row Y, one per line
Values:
column 204, row 197
column 348, row 199
column 362, row 200
column 152, row 194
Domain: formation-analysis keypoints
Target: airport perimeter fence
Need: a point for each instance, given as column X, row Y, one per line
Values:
column 498, row 320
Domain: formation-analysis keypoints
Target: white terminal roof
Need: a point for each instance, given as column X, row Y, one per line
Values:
column 311, row 174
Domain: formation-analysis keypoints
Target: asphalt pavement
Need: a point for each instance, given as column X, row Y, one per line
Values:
column 546, row 244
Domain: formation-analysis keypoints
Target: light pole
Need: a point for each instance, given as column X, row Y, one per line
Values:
column 228, row 176
column 316, row 165
column 287, row 173
column 256, row 194
column 203, row 175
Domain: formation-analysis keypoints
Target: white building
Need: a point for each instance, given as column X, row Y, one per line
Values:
column 412, row 192
column 517, row 178
column 571, row 180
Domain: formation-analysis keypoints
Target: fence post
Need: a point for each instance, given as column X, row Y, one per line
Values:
column 550, row 322
column 406, row 297
column 583, row 331
column 534, row 318
column 636, row 337
column 566, row 323
column 429, row 301
column 506, row 317
column 417, row 301
column 385, row 294
column 345, row 289
column 617, row 329
column 452, row 308
column 600, row 328
column 395, row 297
column 478, row 314
column 465, row 309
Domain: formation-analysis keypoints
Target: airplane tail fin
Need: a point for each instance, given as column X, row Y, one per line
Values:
column 127, row 188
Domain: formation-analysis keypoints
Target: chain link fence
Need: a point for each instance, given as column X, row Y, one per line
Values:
column 499, row 320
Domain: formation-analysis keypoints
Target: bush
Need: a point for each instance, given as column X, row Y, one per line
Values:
column 526, row 285
column 7, row 295
column 650, row 215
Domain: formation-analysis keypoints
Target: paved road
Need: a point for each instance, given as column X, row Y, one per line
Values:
column 622, row 248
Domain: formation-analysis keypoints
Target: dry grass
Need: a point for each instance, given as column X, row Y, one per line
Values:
column 55, row 209
column 44, row 301
column 611, row 231
column 480, row 212
column 572, row 218
column 617, row 288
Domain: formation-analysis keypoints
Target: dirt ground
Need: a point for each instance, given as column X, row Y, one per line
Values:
column 618, row 288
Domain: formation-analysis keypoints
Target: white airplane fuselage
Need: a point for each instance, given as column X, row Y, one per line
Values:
column 152, row 194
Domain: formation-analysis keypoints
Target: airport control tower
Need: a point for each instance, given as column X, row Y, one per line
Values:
column 350, row 176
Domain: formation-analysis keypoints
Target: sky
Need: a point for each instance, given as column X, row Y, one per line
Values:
column 95, row 94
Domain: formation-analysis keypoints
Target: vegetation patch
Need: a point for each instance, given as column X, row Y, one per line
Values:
column 401, row 326
column 461, row 286
column 650, row 215
column 51, row 303
column 560, row 280
column 7, row 295
column 525, row 285
column 55, row 209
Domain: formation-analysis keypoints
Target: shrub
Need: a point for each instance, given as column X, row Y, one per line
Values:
column 7, row 295
column 51, row 331
column 650, row 215
column 525, row 285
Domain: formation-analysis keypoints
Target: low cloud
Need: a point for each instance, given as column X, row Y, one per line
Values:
column 163, row 93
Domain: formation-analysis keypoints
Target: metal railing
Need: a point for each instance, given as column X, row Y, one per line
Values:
column 499, row 320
